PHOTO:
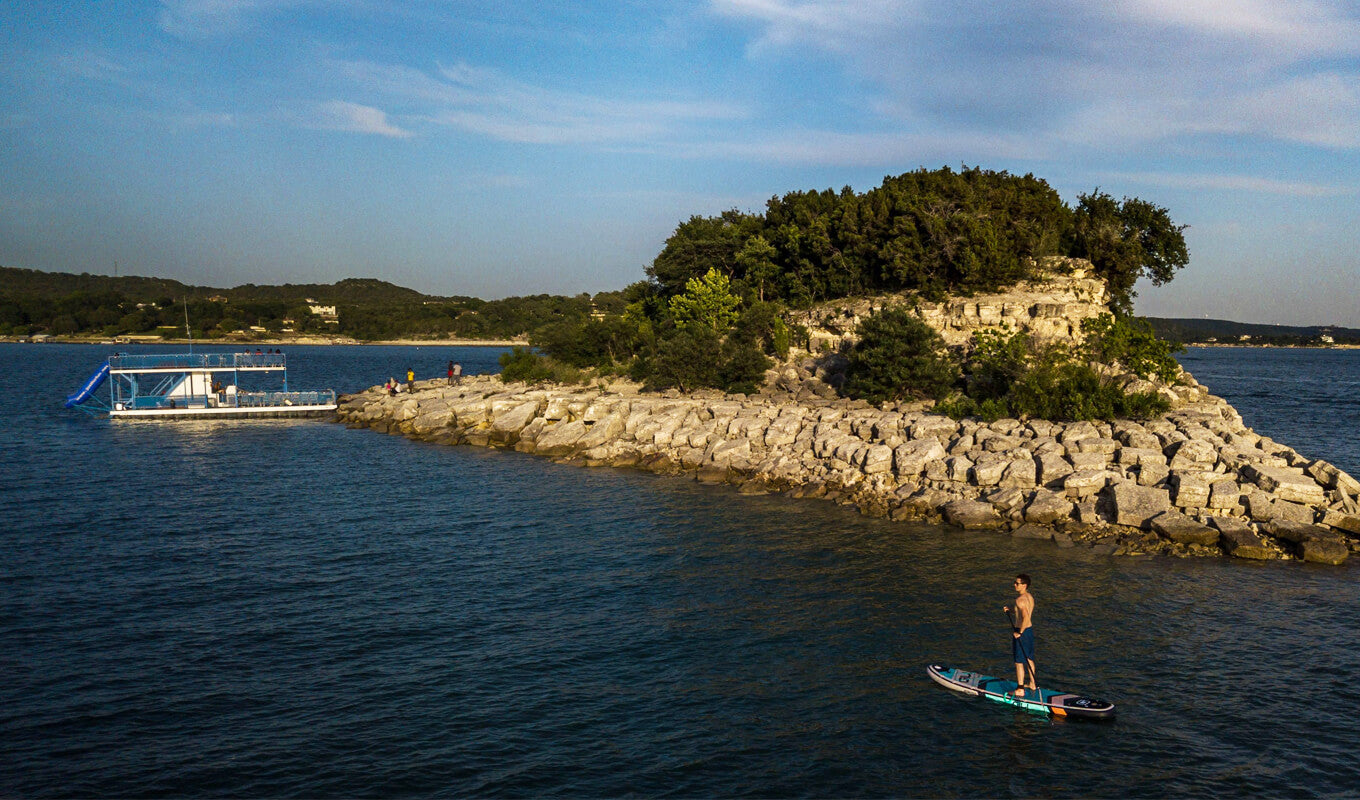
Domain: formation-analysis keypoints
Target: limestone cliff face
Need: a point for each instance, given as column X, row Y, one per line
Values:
column 1049, row 307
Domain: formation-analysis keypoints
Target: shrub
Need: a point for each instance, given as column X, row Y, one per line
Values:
column 1075, row 391
column 997, row 360
column 743, row 365
column 522, row 364
column 1130, row 342
column 688, row 359
column 898, row 356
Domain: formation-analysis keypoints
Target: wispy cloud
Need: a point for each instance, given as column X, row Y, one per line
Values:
column 193, row 19
column 490, row 103
column 1131, row 72
column 1300, row 28
column 339, row 115
column 862, row 149
column 1234, row 183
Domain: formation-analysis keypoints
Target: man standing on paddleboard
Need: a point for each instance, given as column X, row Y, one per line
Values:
column 1022, row 634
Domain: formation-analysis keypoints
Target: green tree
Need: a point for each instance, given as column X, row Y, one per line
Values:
column 707, row 302
column 756, row 261
column 1125, row 241
column 898, row 356
column 699, row 245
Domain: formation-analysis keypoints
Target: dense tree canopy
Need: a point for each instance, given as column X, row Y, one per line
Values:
column 935, row 231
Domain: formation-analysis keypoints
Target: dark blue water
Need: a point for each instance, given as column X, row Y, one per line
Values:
column 294, row 608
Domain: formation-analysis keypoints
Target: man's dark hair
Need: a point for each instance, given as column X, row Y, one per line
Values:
column 1023, row 578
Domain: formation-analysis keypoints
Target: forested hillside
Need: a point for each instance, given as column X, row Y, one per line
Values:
column 33, row 302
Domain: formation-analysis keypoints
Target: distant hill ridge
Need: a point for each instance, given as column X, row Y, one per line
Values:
column 1225, row 331
column 34, row 283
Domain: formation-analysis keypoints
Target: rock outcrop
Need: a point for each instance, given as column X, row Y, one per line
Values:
column 1049, row 307
column 1194, row 482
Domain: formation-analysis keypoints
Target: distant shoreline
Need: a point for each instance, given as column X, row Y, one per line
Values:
column 274, row 342
column 1244, row 346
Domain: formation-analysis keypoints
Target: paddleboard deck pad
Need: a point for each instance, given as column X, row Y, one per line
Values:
column 1059, row 704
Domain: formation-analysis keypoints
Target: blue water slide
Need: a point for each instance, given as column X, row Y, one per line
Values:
column 96, row 380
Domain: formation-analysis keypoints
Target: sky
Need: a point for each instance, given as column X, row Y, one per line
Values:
column 499, row 148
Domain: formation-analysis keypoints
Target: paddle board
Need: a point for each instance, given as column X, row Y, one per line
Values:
column 1060, row 704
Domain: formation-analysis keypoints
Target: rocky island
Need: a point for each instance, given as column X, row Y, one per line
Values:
column 1192, row 481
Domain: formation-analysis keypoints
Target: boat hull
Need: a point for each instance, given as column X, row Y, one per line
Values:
column 224, row 412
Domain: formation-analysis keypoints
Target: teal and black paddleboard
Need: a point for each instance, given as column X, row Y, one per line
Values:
column 1059, row 704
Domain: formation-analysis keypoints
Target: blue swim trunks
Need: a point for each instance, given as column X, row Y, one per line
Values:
column 1022, row 648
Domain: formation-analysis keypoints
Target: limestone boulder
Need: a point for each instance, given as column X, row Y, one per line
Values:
column 1136, row 505
column 1324, row 551
column 1239, row 540
column 1191, row 489
column 972, row 515
column 507, row 424
column 1348, row 523
column 910, row 459
column 1086, row 482
column 735, row 453
column 1047, row 508
column 1314, row 543
column 1332, row 477
column 933, row 427
column 988, row 474
column 878, row 458
column 1285, row 483
column 1299, row 532
column 1224, row 493
column 1052, row 468
column 1020, row 474
column 1181, row 529
column 1032, row 531
column 957, row 468
column 601, row 430
column 561, row 439
column 1191, row 454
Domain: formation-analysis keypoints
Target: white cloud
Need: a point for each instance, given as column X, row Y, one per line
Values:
column 837, row 25
column 344, row 116
column 1234, row 183
column 863, row 149
column 192, row 19
column 1104, row 76
column 1322, row 110
column 489, row 103
column 1301, row 28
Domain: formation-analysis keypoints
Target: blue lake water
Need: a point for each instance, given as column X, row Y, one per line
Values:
column 295, row 608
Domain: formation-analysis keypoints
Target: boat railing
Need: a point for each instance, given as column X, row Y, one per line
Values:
column 123, row 361
column 232, row 400
column 258, row 399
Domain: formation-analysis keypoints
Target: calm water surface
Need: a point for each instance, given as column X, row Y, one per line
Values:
column 294, row 608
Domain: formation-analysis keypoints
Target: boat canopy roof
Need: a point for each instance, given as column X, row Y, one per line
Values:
column 187, row 361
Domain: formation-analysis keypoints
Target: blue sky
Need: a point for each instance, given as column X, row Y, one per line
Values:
column 494, row 148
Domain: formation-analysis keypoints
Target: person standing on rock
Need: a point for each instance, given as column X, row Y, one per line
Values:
column 1022, row 635
column 410, row 380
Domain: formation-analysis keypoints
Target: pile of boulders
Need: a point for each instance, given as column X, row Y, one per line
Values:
column 1194, row 482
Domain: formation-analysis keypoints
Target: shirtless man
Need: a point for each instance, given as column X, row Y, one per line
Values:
column 1022, row 634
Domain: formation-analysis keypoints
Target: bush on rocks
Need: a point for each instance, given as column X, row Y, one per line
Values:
column 898, row 357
